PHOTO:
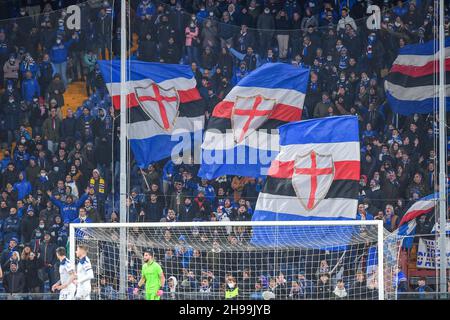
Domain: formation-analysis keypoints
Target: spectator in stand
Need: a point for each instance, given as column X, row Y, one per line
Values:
column 422, row 289
column 51, row 130
column 59, row 55
column 323, row 288
column 11, row 226
column 348, row 65
column 11, row 70
column 68, row 209
column 231, row 289
column 47, row 256
column 82, row 216
column 30, row 267
column 14, row 280
column 192, row 34
column 340, row 291
column 345, row 20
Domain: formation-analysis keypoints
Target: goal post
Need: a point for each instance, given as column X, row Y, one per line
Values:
column 339, row 259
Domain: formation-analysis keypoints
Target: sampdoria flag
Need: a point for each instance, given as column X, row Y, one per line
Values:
column 240, row 139
column 164, row 105
column 412, row 84
column 422, row 206
column 407, row 226
column 314, row 177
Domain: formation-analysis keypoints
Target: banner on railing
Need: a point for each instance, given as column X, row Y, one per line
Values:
column 429, row 256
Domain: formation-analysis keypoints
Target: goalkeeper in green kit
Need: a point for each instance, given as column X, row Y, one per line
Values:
column 152, row 276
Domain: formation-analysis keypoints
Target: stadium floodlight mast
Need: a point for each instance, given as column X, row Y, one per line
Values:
column 442, row 234
column 102, row 238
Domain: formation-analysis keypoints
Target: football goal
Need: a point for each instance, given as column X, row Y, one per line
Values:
column 243, row 260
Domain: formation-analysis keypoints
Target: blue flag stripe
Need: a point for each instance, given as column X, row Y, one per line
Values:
column 409, row 107
column 141, row 70
column 150, row 150
column 317, row 131
column 277, row 76
column 426, row 49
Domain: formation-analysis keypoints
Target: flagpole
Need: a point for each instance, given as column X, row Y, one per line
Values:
column 123, row 260
column 442, row 157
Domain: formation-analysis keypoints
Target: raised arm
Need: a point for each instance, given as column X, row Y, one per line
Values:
column 82, row 199
column 55, row 201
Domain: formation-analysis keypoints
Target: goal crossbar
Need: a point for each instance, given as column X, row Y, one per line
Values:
column 228, row 223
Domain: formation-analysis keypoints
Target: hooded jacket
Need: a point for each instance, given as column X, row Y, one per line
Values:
column 23, row 188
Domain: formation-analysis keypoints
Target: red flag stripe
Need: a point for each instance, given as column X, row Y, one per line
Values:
column 431, row 67
column 343, row 170
column 185, row 97
column 280, row 112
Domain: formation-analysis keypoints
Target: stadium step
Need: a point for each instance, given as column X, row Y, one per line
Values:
column 74, row 96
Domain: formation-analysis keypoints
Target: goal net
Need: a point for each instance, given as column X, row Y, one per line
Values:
column 263, row 260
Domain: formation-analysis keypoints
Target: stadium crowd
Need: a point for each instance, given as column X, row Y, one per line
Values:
column 61, row 167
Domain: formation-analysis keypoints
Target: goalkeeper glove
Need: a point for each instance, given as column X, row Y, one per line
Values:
column 160, row 292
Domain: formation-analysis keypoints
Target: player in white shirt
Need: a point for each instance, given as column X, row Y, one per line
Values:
column 84, row 274
column 65, row 285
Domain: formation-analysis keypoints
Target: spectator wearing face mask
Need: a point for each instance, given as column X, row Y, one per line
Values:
column 90, row 60
column 11, row 117
column 11, row 70
column 45, row 73
column 192, row 41
column 37, row 236
column 55, row 93
column 51, row 130
column 29, row 223
column 231, row 289
column 59, row 54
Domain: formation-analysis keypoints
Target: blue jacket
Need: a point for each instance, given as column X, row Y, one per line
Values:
column 4, row 163
column 24, row 67
column 209, row 191
column 4, row 49
column 11, row 228
column 21, row 160
column 143, row 9
column 30, row 89
column 69, row 212
column 23, row 188
column 368, row 216
column 58, row 53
